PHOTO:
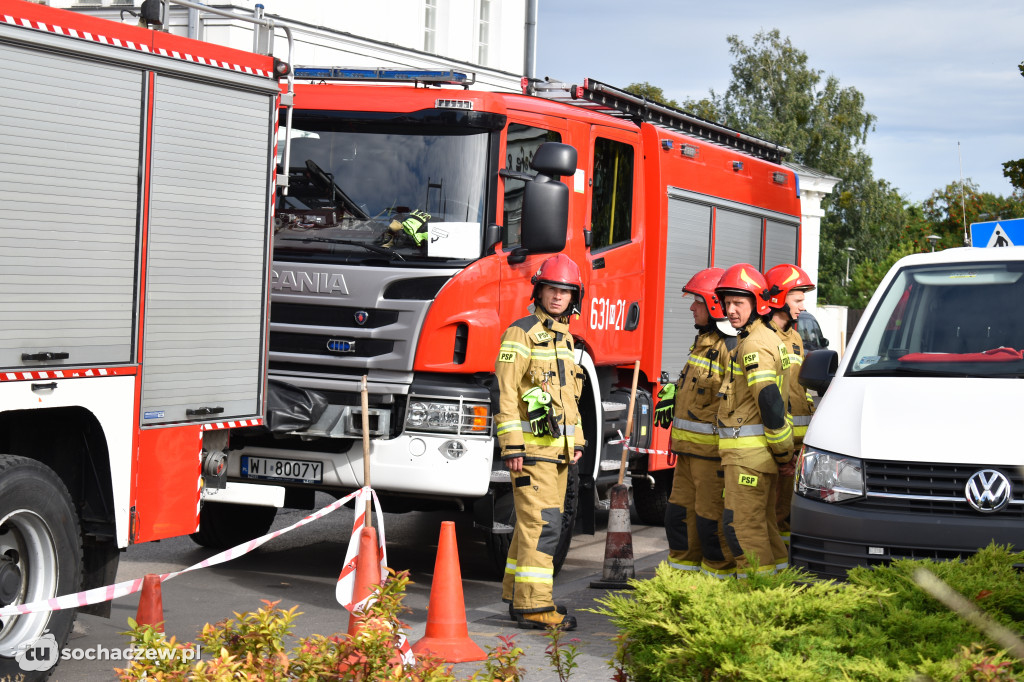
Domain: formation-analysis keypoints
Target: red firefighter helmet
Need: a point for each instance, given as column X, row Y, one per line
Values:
column 560, row 272
column 783, row 279
column 703, row 285
column 744, row 279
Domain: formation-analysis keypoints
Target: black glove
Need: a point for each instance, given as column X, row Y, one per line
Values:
column 540, row 423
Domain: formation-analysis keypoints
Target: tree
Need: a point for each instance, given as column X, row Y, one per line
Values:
column 774, row 94
column 651, row 93
column 1014, row 170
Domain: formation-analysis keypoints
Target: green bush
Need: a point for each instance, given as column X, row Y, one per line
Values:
column 682, row 625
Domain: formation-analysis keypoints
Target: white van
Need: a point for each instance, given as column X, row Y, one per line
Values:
column 917, row 447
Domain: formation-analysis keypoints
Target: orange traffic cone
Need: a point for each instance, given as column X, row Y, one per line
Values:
column 367, row 574
column 447, row 634
column 618, row 547
column 151, row 603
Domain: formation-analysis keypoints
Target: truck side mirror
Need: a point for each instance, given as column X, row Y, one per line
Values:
column 818, row 370
column 546, row 200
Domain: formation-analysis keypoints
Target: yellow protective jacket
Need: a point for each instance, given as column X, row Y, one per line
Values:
column 694, row 423
column 801, row 404
column 537, row 350
column 753, row 429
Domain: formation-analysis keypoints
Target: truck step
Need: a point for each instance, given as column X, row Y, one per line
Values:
column 612, row 409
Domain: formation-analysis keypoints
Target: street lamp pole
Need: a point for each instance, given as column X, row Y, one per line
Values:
column 849, row 252
column 932, row 239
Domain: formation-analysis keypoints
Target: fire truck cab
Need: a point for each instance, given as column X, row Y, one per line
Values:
column 405, row 248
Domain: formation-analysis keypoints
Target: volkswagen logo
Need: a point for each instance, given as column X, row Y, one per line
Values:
column 988, row 490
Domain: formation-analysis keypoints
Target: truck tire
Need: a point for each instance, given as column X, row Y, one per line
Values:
column 40, row 558
column 223, row 525
column 505, row 513
column 650, row 500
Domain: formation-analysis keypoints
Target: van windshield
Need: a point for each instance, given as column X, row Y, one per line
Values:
column 947, row 320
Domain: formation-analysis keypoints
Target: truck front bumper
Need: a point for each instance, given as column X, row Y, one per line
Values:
column 413, row 464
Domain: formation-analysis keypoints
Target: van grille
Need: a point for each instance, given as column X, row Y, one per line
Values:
column 927, row 488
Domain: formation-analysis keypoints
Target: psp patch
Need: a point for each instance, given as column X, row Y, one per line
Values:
column 542, row 337
column 747, row 479
column 506, row 356
column 750, row 360
column 784, row 356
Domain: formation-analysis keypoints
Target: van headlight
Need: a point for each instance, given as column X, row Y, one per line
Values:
column 448, row 417
column 826, row 476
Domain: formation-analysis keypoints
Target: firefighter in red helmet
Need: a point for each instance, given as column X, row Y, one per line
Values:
column 693, row 515
column 541, row 435
column 754, row 435
column 787, row 286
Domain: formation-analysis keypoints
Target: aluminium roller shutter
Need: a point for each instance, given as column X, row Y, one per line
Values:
column 203, row 344
column 687, row 253
column 69, row 186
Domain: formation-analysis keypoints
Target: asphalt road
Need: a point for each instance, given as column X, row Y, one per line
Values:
column 301, row 568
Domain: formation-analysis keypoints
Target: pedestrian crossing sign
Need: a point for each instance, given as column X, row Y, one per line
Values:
column 998, row 233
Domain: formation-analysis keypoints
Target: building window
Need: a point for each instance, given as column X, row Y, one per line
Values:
column 483, row 32
column 611, row 212
column 430, row 26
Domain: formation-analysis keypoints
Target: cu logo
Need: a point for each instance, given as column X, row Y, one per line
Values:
column 988, row 490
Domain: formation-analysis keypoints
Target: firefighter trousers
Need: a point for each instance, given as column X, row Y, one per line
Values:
column 749, row 519
column 693, row 518
column 539, row 496
column 784, row 504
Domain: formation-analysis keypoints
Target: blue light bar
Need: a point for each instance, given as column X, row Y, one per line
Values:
column 380, row 75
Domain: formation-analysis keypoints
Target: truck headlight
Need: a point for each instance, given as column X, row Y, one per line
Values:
column 448, row 417
column 826, row 476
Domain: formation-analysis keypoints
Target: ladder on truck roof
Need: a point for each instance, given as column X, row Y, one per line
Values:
column 607, row 99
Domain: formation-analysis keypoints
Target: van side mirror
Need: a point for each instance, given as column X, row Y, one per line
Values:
column 818, row 370
column 546, row 199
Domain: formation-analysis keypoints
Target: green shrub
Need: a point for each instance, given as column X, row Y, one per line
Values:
column 682, row 625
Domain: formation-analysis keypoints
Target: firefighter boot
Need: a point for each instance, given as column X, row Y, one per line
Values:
column 544, row 620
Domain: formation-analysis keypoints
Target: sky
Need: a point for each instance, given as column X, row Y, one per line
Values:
column 935, row 73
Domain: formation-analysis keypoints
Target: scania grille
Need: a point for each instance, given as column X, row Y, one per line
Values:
column 932, row 488
column 339, row 317
column 318, row 344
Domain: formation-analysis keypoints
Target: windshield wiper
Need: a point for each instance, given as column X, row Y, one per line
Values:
column 348, row 242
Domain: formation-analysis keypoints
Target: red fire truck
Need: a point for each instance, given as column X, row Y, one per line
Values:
column 402, row 252
column 134, row 291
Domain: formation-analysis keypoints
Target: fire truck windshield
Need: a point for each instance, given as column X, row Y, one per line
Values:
column 398, row 192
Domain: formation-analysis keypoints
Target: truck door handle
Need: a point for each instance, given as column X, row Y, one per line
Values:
column 44, row 387
column 45, row 355
column 203, row 411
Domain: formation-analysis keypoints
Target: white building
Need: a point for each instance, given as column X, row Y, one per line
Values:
column 485, row 37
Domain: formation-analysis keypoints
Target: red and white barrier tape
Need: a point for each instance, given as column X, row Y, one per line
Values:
column 343, row 591
column 345, row 588
column 644, row 451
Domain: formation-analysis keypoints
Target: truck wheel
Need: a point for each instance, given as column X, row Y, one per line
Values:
column 650, row 500
column 223, row 525
column 40, row 558
column 505, row 513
